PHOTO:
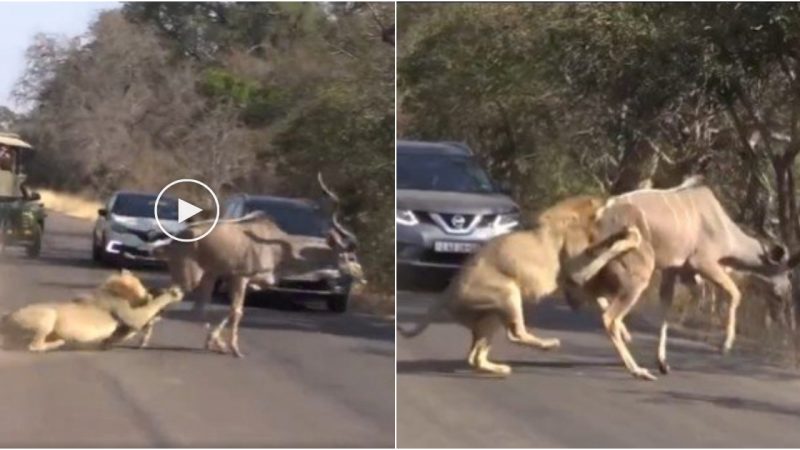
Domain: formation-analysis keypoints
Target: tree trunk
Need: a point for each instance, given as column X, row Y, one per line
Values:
column 792, row 200
column 780, row 185
column 639, row 163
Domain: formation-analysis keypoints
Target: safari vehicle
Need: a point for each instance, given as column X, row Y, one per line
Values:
column 21, row 214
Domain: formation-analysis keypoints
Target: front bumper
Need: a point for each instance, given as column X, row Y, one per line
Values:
column 129, row 247
column 416, row 245
column 323, row 283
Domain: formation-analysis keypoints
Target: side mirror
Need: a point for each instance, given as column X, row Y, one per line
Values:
column 102, row 212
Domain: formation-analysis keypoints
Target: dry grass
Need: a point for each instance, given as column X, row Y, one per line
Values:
column 70, row 204
column 362, row 300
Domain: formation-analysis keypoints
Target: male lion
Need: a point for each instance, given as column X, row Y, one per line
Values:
column 488, row 291
column 121, row 307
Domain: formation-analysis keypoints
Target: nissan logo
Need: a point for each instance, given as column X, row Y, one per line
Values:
column 458, row 221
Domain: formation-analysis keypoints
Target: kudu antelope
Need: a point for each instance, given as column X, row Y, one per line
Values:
column 685, row 231
column 251, row 250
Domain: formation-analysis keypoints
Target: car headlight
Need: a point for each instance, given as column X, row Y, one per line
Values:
column 506, row 222
column 118, row 227
column 405, row 217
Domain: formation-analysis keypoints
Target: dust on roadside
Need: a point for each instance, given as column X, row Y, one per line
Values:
column 73, row 205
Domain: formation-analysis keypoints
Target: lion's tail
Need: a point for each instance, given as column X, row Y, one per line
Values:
column 433, row 310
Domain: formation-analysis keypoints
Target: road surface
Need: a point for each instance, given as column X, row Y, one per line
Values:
column 310, row 378
column 580, row 396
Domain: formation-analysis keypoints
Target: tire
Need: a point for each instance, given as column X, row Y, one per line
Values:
column 338, row 303
column 34, row 249
column 97, row 251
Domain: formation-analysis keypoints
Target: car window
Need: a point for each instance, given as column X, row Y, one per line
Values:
column 232, row 208
column 141, row 205
column 292, row 218
column 431, row 172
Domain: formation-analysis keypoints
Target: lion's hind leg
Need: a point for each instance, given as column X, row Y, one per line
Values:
column 482, row 332
column 40, row 342
column 517, row 332
column 41, row 322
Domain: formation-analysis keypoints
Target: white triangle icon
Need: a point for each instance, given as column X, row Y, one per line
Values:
column 186, row 210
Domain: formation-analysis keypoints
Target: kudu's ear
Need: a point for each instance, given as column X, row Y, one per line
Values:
column 336, row 240
column 777, row 254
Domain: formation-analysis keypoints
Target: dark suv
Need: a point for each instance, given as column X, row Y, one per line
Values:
column 304, row 218
column 447, row 206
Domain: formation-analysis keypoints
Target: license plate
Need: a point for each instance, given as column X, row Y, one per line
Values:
column 454, row 247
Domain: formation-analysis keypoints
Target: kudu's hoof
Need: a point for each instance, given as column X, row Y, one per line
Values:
column 214, row 345
column 644, row 374
column 663, row 367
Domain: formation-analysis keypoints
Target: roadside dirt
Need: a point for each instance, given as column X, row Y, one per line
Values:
column 69, row 204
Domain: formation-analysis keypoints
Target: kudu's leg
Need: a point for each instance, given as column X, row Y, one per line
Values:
column 666, row 294
column 602, row 302
column 517, row 332
column 147, row 332
column 238, row 293
column 720, row 277
column 482, row 333
column 214, row 341
column 203, row 294
column 612, row 319
column 585, row 266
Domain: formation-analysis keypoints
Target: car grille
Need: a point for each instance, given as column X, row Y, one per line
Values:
column 141, row 234
column 133, row 251
column 466, row 220
column 320, row 285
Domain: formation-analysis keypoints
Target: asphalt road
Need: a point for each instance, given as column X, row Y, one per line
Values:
column 580, row 396
column 309, row 378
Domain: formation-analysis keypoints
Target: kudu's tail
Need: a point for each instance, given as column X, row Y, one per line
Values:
column 422, row 323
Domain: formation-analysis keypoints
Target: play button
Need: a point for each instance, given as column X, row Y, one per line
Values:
column 186, row 210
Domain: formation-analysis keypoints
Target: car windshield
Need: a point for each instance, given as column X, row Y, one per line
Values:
column 292, row 218
column 432, row 172
column 141, row 205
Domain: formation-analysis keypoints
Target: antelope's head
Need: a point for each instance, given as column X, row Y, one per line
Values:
column 342, row 240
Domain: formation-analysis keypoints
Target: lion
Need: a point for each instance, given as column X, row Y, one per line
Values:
column 119, row 309
column 488, row 291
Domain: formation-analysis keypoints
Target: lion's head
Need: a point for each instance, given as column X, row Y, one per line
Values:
column 126, row 285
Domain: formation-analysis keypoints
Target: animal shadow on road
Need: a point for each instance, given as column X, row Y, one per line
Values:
column 724, row 401
column 282, row 314
column 459, row 368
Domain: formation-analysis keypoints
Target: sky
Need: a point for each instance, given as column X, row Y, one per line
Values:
column 23, row 20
